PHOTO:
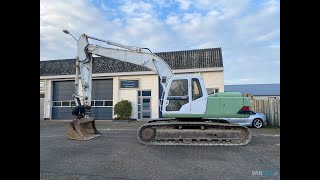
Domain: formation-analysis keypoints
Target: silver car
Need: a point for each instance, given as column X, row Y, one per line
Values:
column 256, row 120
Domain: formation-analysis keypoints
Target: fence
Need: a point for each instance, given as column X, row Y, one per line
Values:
column 270, row 107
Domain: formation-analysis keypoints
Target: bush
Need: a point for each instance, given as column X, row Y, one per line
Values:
column 123, row 110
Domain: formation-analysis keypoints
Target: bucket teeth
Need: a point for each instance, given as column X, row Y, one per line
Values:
column 82, row 129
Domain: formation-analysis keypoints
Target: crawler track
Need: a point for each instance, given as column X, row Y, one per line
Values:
column 177, row 133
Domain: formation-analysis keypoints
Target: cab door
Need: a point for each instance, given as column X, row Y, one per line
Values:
column 198, row 96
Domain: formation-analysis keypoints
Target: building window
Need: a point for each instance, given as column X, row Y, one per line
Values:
column 108, row 103
column 212, row 90
column 56, row 103
column 146, row 93
column 98, row 103
column 101, row 103
column 65, row 103
column 42, row 96
column 94, row 103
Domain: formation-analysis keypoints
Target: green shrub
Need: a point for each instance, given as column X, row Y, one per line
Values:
column 123, row 110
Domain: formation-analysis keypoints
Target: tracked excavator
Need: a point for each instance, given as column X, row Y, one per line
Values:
column 191, row 116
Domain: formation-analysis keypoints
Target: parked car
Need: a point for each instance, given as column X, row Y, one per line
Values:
column 256, row 120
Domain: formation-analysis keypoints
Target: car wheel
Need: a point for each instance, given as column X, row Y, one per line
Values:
column 257, row 123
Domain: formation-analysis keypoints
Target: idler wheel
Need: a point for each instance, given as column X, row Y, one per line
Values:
column 148, row 134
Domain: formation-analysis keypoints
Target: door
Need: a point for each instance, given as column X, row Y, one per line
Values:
column 144, row 105
column 41, row 106
column 177, row 100
column 102, row 100
column 62, row 99
column 198, row 97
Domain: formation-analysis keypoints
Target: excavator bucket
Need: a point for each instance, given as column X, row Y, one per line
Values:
column 82, row 129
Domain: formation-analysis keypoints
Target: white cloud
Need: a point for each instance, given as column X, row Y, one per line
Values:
column 193, row 27
column 269, row 35
column 184, row 4
column 104, row 7
column 274, row 46
column 249, row 40
column 163, row 3
column 264, row 24
column 226, row 8
column 76, row 16
column 136, row 8
column 172, row 20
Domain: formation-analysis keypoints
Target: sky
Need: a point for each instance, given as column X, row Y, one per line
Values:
column 248, row 31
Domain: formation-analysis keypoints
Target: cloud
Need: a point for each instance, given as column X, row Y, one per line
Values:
column 248, row 32
column 136, row 8
column 269, row 35
column 274, row 46
column 76, row 16
column 184, row 4
column 262, row 25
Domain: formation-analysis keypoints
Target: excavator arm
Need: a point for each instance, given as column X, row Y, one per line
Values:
column 146, row 59
column 130, row 54
column 80, row 128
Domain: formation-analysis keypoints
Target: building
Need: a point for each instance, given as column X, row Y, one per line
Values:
column 259, row 91
column 114, row 81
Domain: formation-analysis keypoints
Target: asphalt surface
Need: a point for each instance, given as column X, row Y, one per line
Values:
column 117, row 154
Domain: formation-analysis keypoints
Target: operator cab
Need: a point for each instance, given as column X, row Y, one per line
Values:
column 185, row 95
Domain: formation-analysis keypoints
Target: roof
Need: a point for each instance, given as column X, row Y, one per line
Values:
column 187, row 59
column 255, row 89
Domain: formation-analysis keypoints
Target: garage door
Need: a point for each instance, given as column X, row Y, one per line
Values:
column 101, row 99
column 62, row 99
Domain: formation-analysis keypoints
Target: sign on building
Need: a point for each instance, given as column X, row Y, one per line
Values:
column 129, row 83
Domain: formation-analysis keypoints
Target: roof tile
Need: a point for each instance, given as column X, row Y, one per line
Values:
column 188, row 59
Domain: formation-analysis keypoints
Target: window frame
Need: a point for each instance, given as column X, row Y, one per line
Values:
column 187, row 90
column 215, row 90
column 196, row 80
column 176, row 99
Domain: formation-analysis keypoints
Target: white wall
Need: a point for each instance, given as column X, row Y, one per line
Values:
column 146, row 82
column 47, row 99
column 212, row 79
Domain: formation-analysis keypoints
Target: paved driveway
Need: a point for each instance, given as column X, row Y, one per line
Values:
column 117, row 154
